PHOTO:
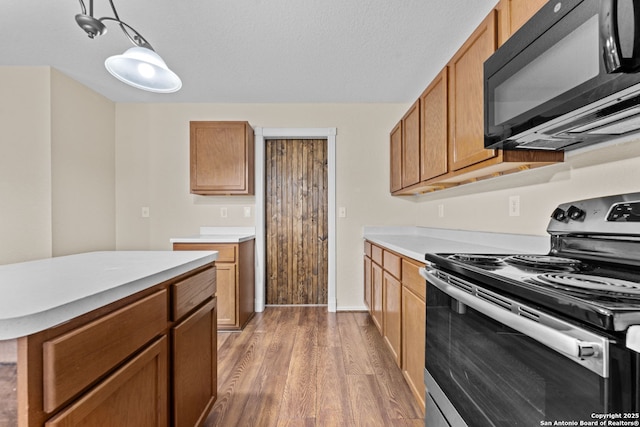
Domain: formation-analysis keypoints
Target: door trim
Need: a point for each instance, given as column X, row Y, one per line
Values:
column 261, row 135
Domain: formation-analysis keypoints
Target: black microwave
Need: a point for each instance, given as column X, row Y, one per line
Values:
column 568, row 78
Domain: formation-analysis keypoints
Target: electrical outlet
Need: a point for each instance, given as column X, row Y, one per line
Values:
column 247, row 211
column 223, row 212
column 342, row 212
column 145, row 212
column 441, row 211
column 514, row 205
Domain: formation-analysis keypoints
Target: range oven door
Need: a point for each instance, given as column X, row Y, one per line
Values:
column 493, row 361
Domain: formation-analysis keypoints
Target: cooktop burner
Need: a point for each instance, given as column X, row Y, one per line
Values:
column 486, row 261
column 588, row 282
column 544, row 262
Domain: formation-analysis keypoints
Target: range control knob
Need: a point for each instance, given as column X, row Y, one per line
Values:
column 575, row 213
column 559, row 215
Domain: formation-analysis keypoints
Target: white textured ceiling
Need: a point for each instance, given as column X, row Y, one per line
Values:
column 252, row 51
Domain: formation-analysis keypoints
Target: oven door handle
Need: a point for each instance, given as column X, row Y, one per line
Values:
column 544, row 334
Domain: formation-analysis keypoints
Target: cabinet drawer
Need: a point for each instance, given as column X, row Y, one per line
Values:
column 367, row 249
column 76, row 359
column 412, row 279
column 376, row 254
column 192, row 291
column 392, row 263
column 226, row 252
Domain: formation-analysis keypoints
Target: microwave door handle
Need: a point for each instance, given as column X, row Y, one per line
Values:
column 609, row 36
column 546, row 335
column 612, row 57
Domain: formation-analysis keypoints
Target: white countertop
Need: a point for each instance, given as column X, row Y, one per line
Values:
column 219, row 235
column 37, row 295
column 415, row 242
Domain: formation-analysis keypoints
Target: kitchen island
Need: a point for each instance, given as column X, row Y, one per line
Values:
column 128, row 337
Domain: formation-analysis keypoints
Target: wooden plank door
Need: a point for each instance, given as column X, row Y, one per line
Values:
column 296, row 221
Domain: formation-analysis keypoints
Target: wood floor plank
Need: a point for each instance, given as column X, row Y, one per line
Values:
column 233, row 396
column 266, row 401
column 366, row 402
column 303, row 366
column 398, row 399
column 328, row 332
column 356, row 360
column 299, row 399
column 333, row 392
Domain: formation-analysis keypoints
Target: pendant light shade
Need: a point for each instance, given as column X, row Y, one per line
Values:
column 139, row 66
column 144, row 69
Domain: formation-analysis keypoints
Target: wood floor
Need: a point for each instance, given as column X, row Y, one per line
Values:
column 303, row 366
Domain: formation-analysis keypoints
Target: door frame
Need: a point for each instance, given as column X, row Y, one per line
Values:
column 261, row 136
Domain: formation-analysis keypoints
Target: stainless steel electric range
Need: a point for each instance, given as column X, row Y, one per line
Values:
column 526, row 340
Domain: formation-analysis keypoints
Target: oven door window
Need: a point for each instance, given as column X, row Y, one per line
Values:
column 496, row 376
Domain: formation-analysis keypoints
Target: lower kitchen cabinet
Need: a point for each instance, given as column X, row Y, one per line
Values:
column 235, row 278
column 194, row 364
column 414, row 320
column 376, row 295
column 398, row 309
column 367, row 282
column 391, row 315
column 135, row 395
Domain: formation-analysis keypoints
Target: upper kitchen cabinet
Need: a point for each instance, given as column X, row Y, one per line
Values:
column 405, row 143
column 395, row 155
column 433, row 110
column 466, row 103
column 405, row 150
column 411, row 146
column 468, row 159
column 512, row 14
column 222, row 158
column 451, row 120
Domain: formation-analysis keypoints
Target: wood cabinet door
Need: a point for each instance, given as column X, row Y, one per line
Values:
column 414, row 318
column 135, row 395
column 222, row 158
column 513, row 14
column 227, row 295
column 396, row 158
column 376, row 295
column 195, row 366
column 434, row 125
column 367, row 282
column 392, row 301
column 466, row 81
column 411, row 146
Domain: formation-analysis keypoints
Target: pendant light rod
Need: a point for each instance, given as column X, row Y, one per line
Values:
column 95, row 26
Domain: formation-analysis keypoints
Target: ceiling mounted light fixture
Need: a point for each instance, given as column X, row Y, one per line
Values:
column 139, row 66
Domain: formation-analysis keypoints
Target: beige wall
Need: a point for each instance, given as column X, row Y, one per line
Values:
column 57, row 171
column 25, row 164
column 83, row 168
column 152, row 160
column 153, row 170
column 75, row 171
column 611, row 168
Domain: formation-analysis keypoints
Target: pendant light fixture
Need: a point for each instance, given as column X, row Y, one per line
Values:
column 139, row 66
